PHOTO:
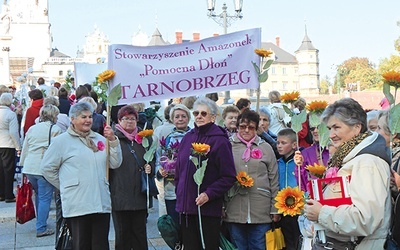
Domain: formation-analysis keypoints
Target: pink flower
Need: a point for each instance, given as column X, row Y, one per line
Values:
column 256, row 153
column 331, row 173
column 101, row 146
column 163, row 142
column 138, row 139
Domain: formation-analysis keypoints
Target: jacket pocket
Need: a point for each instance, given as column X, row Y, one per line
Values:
column 71, row 183
column 264, row 192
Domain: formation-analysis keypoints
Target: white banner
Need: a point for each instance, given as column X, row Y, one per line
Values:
column 214, row 64
column 86, row 72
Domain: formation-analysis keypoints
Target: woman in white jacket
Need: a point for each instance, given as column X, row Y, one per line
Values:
column 360, row 154
column 9, row 143
column 36, row 142
column 75, row 163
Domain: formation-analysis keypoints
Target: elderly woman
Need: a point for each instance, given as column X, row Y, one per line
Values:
column 180, row 116
column 129, row 204
column 9, row 143
column 37, row 140
column 264, row 132
column 218, row 178
column 279, row 118
column 98, row 119
column 230, row 115
column 63, row 120
column 250, row 210
column 361, row 155
column 75, row 163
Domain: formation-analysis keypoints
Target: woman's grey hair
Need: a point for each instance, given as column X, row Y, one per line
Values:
column 80, row 107
column 348, row 111
column 48, row 113
column 373, row 114
column 89, row 100
column 385, row 115
column 6, row 99
column 207, row 102
column 51, row 100
column 264, row 111
column 230, row 109
column 179, row 107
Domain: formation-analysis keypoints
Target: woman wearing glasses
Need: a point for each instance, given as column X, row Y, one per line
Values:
column 129, row 204
column 250, row 206
column 218, row 178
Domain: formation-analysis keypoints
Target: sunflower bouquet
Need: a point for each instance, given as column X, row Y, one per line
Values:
column 243, row 182
column 290, row 201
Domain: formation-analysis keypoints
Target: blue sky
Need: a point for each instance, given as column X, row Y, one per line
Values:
column 339, row 29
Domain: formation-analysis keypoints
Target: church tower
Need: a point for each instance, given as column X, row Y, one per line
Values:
column 308, row 61
column 31, row 37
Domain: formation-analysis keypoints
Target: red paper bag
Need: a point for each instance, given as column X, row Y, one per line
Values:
column 24, row 206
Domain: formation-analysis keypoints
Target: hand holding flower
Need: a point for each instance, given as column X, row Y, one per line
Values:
column 298, row 158
column 312, row 209
column 109, row 133
column 201, row 199
column 147, row 168
column 163, row 172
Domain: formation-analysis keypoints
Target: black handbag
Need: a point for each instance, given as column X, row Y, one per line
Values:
column 144, row 178
column 64, row 237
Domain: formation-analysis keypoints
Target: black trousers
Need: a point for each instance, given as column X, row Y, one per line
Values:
column 130, row 229
column 191, row 233
column 90, row 231
column 7, row 172
column 291, row 231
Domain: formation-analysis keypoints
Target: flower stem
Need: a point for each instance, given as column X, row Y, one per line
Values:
column 200, row 224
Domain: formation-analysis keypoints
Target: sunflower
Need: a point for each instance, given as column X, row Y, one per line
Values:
column 244, row 179
column 106, row 75
column 145, row 133
column 392, row 78
column 290, row 201
column 316, row 170
column 200, row 148
column 263, row 52
column 290, row 97
column 317, row 106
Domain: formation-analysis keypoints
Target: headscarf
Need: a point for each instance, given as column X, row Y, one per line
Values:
column 85, row 137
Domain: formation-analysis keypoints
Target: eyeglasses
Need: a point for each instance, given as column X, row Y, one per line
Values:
column 250, row 128
column 203, row 113
column 312, row 129
column 131, row 119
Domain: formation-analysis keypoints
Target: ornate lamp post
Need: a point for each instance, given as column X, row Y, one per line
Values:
column 225, row 20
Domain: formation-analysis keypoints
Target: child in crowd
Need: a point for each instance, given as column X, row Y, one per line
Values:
column 287, row 145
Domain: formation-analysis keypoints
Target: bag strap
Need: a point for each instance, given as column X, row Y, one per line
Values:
column 134, row 155
column 50, row 133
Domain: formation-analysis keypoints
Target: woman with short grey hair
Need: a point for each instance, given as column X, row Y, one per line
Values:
column 36, row 142
column 9, row 144
column 75, row 163
column 361, row 155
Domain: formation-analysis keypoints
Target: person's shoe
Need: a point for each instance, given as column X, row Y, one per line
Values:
column 2, row 199
column 10, row 200
column 45, row 233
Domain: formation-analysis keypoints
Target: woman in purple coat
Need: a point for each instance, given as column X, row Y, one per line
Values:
column 219, row 177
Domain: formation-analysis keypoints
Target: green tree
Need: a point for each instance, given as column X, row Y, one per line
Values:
column 324, row 86
column 356, row 70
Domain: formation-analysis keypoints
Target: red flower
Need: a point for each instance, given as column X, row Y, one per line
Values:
column 138, row 139
column 256, row 153
column 101, row 146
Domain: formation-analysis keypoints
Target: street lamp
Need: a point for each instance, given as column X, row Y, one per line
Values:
column 225, row 20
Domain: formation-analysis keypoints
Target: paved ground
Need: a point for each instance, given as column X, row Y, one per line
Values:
column 23, row 237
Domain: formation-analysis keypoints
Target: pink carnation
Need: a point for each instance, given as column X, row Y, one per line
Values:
column 256, row 153
column 331, row 172
column 101, row 146
column 138, row 139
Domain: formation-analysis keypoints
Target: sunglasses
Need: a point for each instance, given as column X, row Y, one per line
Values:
column 250, row 128
column 203, row 113
column 312, row 129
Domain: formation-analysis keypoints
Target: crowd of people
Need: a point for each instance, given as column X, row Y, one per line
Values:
column 217, row 169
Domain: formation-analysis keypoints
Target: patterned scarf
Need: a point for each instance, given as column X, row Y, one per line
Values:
column 130, row 136
column 84, row 137
column 344, row 149
column 247, row 151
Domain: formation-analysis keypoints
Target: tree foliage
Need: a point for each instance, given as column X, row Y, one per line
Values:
column 357, row 71
column 324, row 86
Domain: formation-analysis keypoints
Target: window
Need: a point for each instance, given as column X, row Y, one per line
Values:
column 284, row 85
column 273, row 70
column 60, row 73
column 283, row 71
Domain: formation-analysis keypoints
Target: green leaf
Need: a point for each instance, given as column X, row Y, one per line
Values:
column 145, row 142
column 297, row 121
column 204, row 163
column 115, row 95
column 149, row 155
column 386, row 91
column 263, row 77
column 199, row 174
column 194, row 160
column 268, row 64
column 256, row 68
column 288, row 111
column 323, row 133
column 394, row 119
column 314, row 120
